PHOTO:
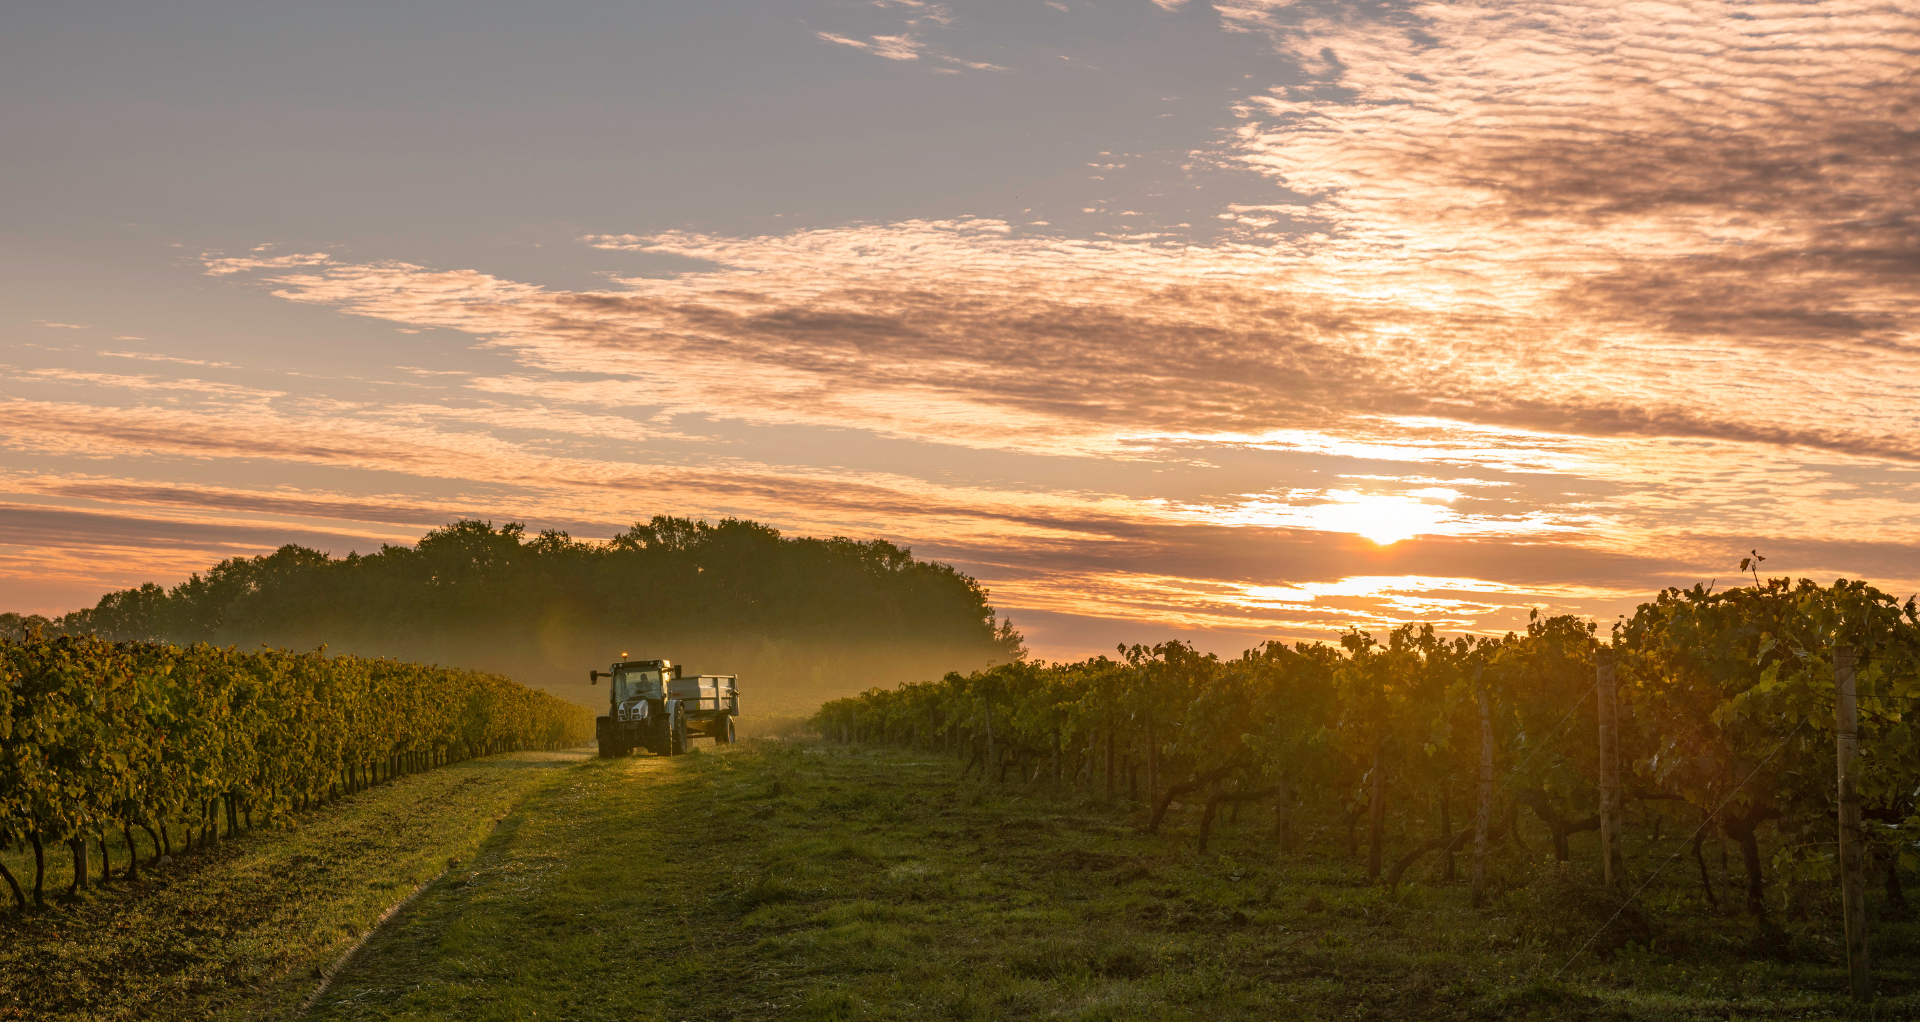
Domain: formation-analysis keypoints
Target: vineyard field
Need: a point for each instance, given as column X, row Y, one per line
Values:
column 1564, row 823
column 240, row 930
column 817, row 881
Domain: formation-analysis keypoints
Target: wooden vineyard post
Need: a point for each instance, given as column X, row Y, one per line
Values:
column 1153, row 758
column 1056, row 757
column 1614, row 861
column 1107, row 791
column 1853, row 890
column 1480, row 822
column 1376, row 809
column 988, row 772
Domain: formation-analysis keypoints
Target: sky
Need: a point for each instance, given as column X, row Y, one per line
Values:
column 1223, row 322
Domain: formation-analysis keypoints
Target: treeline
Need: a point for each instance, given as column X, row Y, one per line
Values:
column 1725, row 710
column 549, row 605
column 99, row 738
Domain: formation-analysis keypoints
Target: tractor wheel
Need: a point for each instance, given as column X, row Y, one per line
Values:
column 723, row 731
column 677, row 743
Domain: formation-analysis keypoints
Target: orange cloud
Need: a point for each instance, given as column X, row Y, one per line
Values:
column 1641, row 281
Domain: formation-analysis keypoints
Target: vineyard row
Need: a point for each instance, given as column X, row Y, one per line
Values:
column 99, row 737
column 1723, row 704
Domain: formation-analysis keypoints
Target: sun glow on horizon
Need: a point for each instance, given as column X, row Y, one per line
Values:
column 1306, row 610
column 1383, row 519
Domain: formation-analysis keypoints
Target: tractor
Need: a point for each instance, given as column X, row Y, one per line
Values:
column 659, row 706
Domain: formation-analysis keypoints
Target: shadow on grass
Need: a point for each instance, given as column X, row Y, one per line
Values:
column 524, row 761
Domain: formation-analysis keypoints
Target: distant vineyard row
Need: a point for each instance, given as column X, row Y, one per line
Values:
column 99, row 737
column 1726, row 710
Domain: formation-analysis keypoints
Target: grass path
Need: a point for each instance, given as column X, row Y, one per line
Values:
column 242, row 931
column 817, row 882
column 516, row 932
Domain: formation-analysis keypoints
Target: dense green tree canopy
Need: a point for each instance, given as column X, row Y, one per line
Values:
column 493, row 597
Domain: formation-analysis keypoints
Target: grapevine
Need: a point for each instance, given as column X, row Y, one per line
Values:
column 101, row 737
column 1725, row 703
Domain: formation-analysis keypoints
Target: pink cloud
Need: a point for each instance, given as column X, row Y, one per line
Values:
column 221, row 266
column 891, row 47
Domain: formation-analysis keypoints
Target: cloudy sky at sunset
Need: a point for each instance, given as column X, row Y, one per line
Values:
column 1228, row 321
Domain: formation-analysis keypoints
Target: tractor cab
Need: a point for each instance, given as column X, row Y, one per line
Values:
column 638, row 687
column 646, row 678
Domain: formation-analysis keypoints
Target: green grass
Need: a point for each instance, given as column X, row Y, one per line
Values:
column 245, row 928
column 805, row 881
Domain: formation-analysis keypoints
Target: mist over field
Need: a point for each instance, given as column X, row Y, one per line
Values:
column 799, row 620
column 779, row 677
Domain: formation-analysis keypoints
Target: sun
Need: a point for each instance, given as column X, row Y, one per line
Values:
column 1381, row 519
column 1388, row 520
